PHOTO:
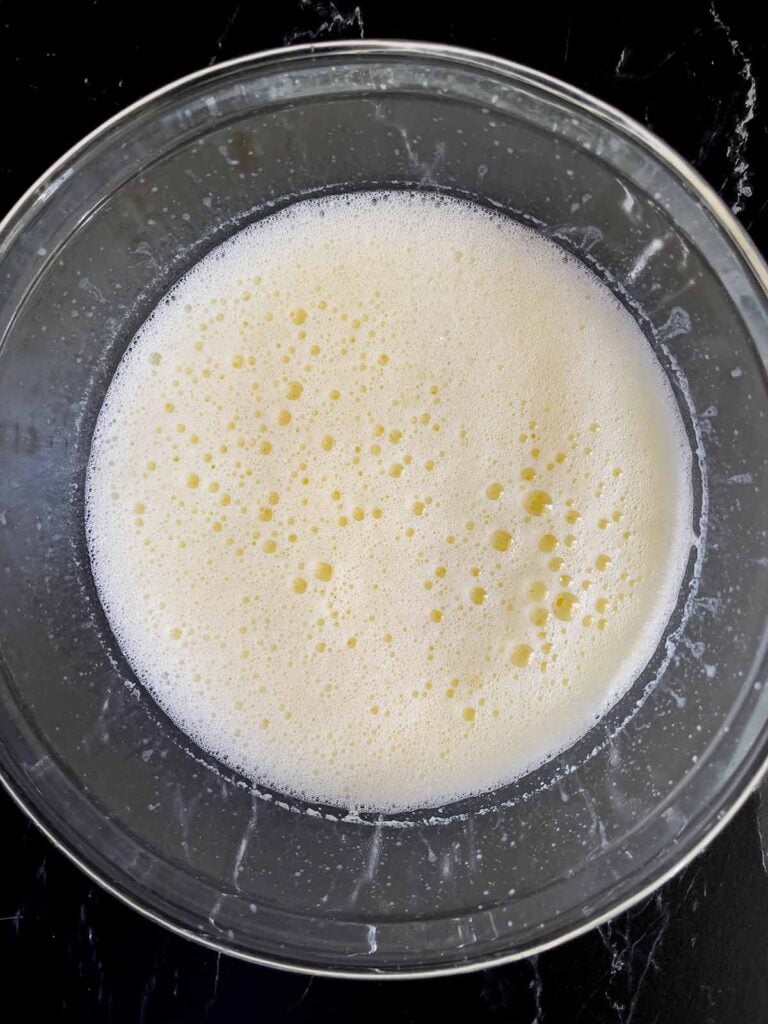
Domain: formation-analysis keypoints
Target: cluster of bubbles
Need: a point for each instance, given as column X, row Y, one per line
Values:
column 366, row 507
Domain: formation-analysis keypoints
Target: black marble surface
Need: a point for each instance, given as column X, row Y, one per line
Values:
column 697, row 951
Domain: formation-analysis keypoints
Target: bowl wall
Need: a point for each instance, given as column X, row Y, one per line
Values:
column 84, row 258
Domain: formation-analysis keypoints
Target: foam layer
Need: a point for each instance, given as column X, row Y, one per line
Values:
column 387, row 501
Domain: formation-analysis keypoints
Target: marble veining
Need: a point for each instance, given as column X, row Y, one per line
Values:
column 329, row 21
column 740, row 178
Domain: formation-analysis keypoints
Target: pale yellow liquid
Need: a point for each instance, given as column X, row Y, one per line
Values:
column 389, row 503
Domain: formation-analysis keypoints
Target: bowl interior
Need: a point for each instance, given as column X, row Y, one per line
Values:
column 87, row 256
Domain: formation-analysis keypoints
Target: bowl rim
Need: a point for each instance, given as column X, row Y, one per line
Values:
column 745, row 779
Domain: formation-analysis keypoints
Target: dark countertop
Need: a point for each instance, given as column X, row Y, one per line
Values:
column 697, row 950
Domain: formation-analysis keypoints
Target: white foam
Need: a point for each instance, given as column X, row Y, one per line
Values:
column 415, row 332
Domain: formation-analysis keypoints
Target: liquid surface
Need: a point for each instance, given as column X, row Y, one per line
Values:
column 388, row 501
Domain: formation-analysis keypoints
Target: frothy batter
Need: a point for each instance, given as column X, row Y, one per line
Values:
column 388, row 500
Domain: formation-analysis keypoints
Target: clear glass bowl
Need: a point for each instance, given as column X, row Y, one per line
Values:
column 84, row 257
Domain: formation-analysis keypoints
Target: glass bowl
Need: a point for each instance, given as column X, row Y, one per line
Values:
column 84, row 257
